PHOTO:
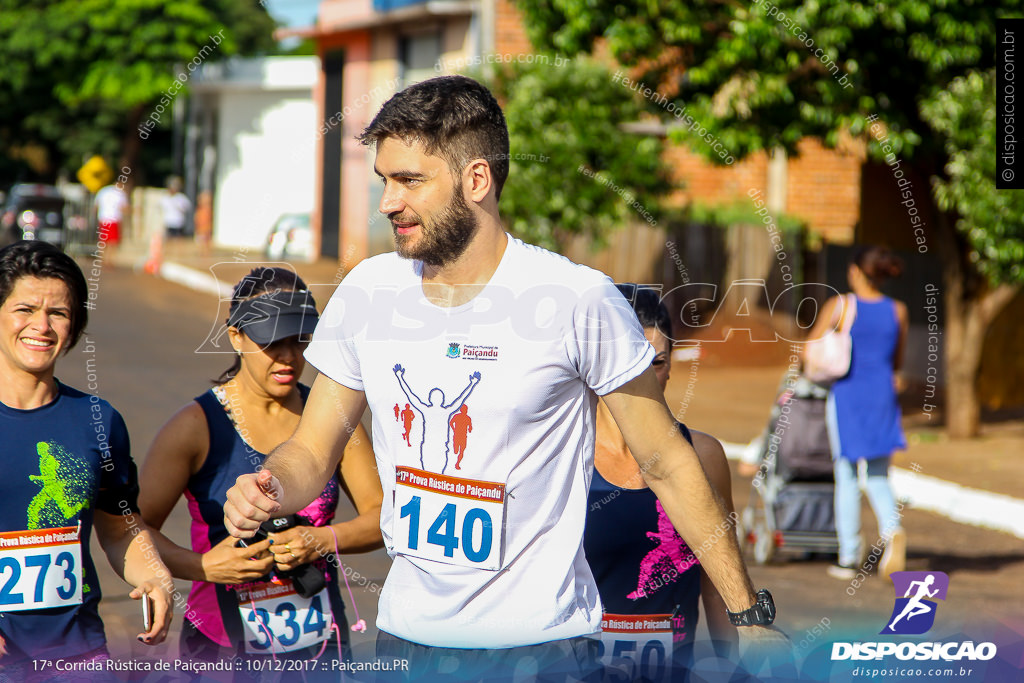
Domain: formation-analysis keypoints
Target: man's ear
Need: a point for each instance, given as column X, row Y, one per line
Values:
column 477, row 179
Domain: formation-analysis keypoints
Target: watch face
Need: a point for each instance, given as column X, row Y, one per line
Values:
column 764, row 599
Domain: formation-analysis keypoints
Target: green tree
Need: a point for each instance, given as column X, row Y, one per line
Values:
column 80, row 75
column 763, row 74
column 989, row 220
column 564, row 117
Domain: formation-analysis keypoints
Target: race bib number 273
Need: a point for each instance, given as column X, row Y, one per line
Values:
column 40, row 568
column 447, row 519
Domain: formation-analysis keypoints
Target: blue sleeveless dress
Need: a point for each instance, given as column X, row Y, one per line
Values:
column 867, row 412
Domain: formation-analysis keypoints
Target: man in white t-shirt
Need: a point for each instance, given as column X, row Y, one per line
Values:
column 176, row 207
column 465, row 320
column 111, row 203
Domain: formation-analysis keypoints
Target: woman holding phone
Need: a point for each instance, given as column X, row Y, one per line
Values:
column 68, row 473
column 263, row 599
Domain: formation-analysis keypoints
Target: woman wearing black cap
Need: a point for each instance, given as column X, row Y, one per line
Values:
column 234, row 608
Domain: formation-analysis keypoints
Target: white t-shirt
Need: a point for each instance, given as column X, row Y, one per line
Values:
column 508, row 384
column 175, row 207
column 111, row 201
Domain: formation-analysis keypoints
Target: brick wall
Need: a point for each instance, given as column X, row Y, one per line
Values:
column 707, row 183
column 824, row 188
column 509, row 34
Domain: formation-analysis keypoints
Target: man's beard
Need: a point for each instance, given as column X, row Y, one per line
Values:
column 442, row 238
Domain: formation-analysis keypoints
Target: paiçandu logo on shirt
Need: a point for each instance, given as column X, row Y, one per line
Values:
column 472, row 351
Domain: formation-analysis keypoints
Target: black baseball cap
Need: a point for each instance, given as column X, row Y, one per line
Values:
column 276, row 315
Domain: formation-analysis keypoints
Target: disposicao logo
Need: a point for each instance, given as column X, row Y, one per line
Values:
column 914, row 614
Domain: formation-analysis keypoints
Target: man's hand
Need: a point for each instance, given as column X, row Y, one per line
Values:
column 250, row 502
column 760, row 645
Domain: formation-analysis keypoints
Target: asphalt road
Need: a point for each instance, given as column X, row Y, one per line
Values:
column 146, row 331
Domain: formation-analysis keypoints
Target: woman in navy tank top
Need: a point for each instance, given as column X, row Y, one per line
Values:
column 246, row 601
column 649, row 580
column 863, row 411
column 68, row 476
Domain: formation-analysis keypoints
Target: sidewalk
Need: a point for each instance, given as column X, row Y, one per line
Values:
column 978, row 482
column 216, row 273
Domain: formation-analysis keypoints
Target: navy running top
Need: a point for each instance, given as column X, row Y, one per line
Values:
column 213, row 608
column 62, row 462
column 640, row 563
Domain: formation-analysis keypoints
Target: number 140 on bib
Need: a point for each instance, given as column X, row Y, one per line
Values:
column 459, row 531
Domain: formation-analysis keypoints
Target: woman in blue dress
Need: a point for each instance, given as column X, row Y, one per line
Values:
column 863, row 410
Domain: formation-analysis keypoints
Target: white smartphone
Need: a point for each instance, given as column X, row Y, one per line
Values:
column 147, row 612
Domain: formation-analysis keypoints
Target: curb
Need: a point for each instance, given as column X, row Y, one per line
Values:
column 962, row 504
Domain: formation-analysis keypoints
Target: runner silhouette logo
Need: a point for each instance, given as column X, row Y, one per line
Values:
column 914, row 612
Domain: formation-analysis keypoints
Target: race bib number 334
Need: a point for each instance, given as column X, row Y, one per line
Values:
column 447, row 519
column 40, row 568
column 280, row 620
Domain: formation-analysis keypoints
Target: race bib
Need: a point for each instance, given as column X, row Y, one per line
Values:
column 447, row 519
column 40, row 568
column 638, row 645
column 278, row 619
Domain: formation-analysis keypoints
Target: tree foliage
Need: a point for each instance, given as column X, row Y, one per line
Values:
column 750, row 73
column 769, row 73
column 965, row 116
column 565, row 117
column 75, row 70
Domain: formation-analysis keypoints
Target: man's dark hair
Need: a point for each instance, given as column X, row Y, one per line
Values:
column 648, row 306
column 34, row 258
column 454, row 117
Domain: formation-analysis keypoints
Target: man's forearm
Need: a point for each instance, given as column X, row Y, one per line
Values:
column 699, row 515
column 302, row 473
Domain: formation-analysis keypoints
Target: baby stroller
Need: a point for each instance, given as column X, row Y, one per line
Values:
column 791, row 505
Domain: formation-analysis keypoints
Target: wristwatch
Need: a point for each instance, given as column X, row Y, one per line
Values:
column 761, row 613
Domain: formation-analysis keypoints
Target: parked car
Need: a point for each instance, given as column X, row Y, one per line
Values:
column 33, row 212
column 291, row 239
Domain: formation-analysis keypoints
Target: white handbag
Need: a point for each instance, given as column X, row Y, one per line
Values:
column 828, row 359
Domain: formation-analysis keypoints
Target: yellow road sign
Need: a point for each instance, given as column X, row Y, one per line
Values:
column 95, row 174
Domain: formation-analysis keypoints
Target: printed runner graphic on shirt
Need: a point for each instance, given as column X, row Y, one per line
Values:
column 64, row 481
column 666, row 562
column 407, row 418
column 461, row 424
column 437, row 420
